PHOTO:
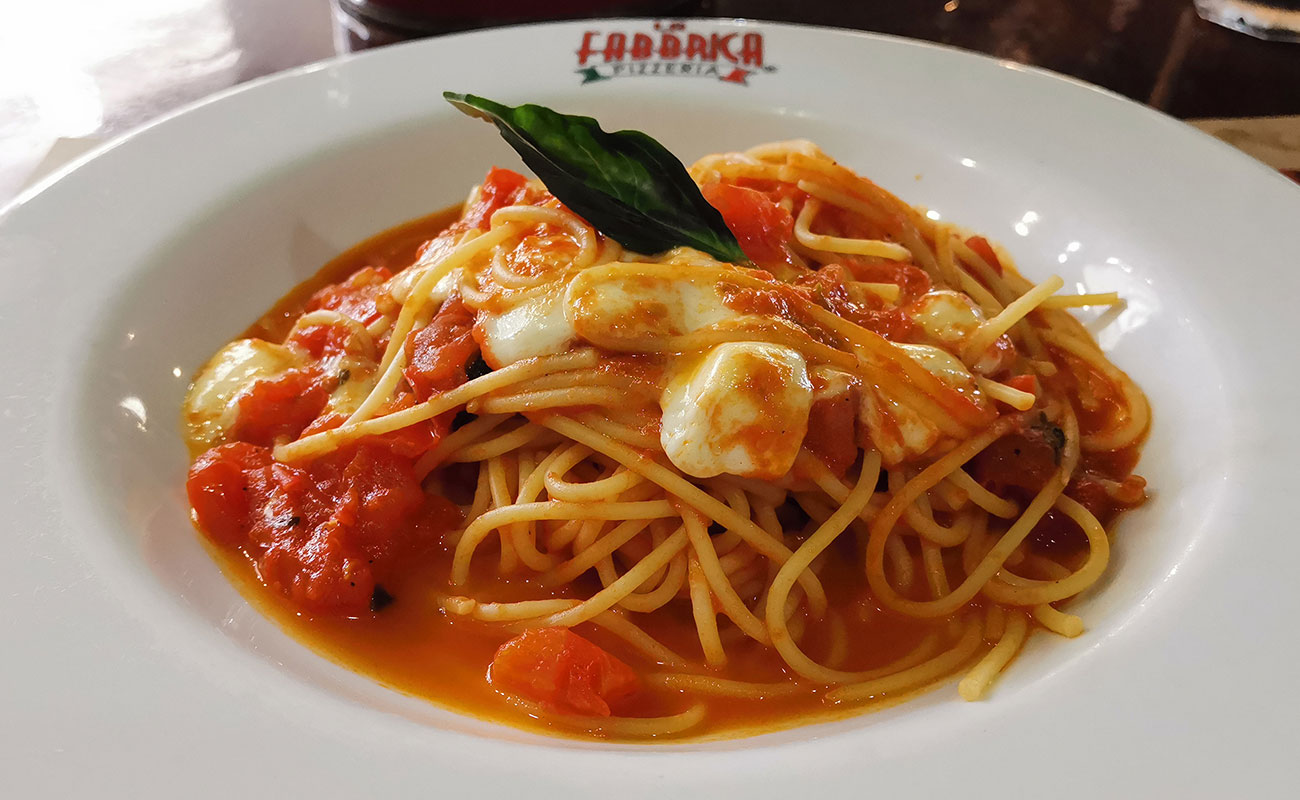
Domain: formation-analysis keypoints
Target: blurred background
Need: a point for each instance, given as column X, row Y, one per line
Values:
column 76, row 72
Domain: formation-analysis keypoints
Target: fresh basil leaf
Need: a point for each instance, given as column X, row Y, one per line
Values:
column 625, row 184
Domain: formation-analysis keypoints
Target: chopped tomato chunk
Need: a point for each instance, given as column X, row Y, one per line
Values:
column 1023, row 460
column 437, row 354
column 827, row 286
column 761, row 226
column 325, row 422
column 411, row 441
column 279, row 408
column 218, row 489
column 911, row 279
column 321, row 340
column 837, row 221
column 355, row 297
column 501, row 188
column 831, row 437
column 984, row 250
column 415, row 440
column 317, row 532
column 563, row 671
column 1025, row 383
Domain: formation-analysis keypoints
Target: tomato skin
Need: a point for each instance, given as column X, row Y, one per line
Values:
column 564, row 672
column 501, row 188
column 318, row 533
column 827, row 287
column 831, row 436
column 357, row 297
column 281, row 408
column 1025, row 383
column 321, row 341
column 762, row 227
column 984, row 250
column 218, row 487
column 437, row 354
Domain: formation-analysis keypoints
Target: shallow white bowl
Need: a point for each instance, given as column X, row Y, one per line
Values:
column 132, row 668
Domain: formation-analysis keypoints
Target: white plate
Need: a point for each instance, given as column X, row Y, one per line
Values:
column 130, row 667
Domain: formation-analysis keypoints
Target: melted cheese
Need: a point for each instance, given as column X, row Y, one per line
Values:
column 898, row 432
column 525, row 315
column 741, row 409
column 348, row 396
column 643, row 308
column 949, row 318
column 895, row 430
column 940, row 363
column 210, row 408
column 536, row 326
column 831, row 384
column 946, row 316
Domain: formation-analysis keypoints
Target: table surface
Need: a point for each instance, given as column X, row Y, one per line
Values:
column 75, row 72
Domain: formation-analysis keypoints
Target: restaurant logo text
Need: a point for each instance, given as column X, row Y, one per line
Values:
column 731, row 57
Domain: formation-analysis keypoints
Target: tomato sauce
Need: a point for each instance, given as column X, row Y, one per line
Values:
column 412, row 646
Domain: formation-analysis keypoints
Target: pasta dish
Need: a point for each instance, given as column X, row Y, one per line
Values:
column 643, row 452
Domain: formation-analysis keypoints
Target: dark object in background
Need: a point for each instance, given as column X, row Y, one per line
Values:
column 1157, row 52
column 1272, row 20
column 432, row 16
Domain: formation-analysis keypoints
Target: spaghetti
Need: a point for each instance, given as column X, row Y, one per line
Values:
column 651, row 496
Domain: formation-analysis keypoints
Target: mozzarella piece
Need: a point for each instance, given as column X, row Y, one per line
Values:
column 896, row 430
column 950, row 318
column 536, row 326
column 443, row 288
column 210, row 409
column 831, row 384
column 349, row 394
column 940, row 363
column 638, row 308
column 741, row 409
column 401, row 284
column 946, row 316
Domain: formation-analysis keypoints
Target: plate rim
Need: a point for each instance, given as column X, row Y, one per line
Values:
column 44, row 185
column 292, row 73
